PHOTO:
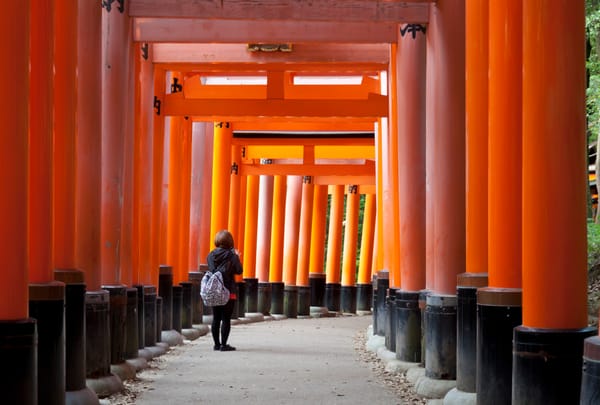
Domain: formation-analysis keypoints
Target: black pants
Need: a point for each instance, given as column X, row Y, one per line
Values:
column 222, row 320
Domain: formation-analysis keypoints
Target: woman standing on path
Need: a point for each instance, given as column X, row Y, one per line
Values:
column 226, row 259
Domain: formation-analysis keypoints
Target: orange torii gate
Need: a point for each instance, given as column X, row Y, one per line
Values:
column 445, row 188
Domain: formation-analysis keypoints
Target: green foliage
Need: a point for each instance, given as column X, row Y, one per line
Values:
column 593, row 237
column 592, row 25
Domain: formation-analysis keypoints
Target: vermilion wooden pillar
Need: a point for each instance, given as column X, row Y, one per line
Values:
column 174, row 192
column 142, row 156
column 184, row 221
column 554, row 235
column 221, row 171
column 348, row 287
column 198, row 134
column 263, row 242
column 290, row 244
column 276, row 248
column 115, row 79
column 445, row 165
column 475, row 276
column 22, row 355
column 251, row 219
column 234, row 220
column 364, row 293
column 317, row 247
column 158, row 147
column 302, row 269
column 334, row 249
column 499, row 305
column 65, row 100
column 205, row 236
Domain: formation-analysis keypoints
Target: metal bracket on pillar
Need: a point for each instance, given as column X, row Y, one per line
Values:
column 221, row 124
column 264, row 161
column 243, row 151
column 413, row 29
column 352, row 189
column 107, row 4
column 176, row 87
column 144, row 48
column 307, row 179
column 234, row 168
column 157, row 105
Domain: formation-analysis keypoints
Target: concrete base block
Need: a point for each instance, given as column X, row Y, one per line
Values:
column 385, row 355
column 105, row 386
column 85, row 396
column 203, row 329
column 207, row 319
column 413, row 374
column 171, row 337
column 375, row 342
column 316, row 311
column 190, row 334
column 156, row 351
column 145, row 353
column 433, row 388
column 279, row 317
column 139, row 363
column 364, row 313
column 399, row 366
column 457, row 397
column 125, row 371
column 255, row 316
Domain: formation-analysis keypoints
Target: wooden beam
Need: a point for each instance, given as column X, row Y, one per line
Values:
column 249, row 68
column 415, row 11
column 283, row 140
column 175, row 104
column 202, row 30
column 301, row 53
column 330, row 124
column 366, row 170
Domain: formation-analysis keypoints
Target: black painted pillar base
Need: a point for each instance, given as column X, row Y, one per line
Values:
column 466, row 332
column 177, row 303
column 590, row 375
column 74, row 329
column 141, row 315
column 187, row 288
column 422, row 305
column 251, row 303
column 18, row 351
column 382, row 283
column 47, row 306
column 408, row 326
column 159, row 319
column 498, row 313
column 364, row 297
column 118, row 316
column 290, row 301
column 165, row 291
column 277, row 298
column 333, row 296
column 195, row 278
column 390, row 320
column 303, row 300
column 440, row 340
column 132, row 333
column 547, row 365
column 348, row 299
column 317, row 289
column 149, row 315
column 238, row 307
column 97, row 326
column 264, row 298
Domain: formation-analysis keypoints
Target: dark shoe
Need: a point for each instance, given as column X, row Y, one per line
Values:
column 227, row 348
column 217, row 347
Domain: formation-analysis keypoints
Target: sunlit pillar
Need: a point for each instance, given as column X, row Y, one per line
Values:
column 263, row 242
column 290, row 244
column 205, row 218
column 348, row 285
column 364, row 287
column 554, row 143
column 220, row 177
column 317, row 247
column 251, row 218
column 334, row 249
column 174, row 192
column 276, row 248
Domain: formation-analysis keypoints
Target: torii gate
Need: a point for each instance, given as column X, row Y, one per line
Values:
column 448, row 219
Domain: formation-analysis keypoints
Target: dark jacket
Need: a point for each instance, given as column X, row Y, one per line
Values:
column 228, row 263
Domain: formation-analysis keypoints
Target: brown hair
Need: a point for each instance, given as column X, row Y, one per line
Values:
column 224, row 239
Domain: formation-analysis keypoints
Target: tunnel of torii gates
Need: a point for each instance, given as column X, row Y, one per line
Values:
column 123, row 155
